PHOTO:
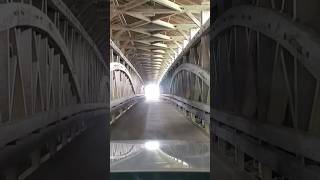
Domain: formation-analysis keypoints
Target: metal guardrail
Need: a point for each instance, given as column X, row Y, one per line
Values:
column 199, row 113
column 120, row 106
column 200, row 109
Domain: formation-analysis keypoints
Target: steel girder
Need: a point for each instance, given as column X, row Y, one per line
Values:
column 266, row 73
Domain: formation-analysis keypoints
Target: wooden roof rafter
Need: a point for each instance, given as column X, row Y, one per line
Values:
column 156, row 29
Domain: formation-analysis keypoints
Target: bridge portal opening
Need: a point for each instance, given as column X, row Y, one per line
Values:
column 152, row 145
column 152, row 92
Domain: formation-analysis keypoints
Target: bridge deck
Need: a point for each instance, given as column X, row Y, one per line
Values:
column 82, row 158
column 155, row 120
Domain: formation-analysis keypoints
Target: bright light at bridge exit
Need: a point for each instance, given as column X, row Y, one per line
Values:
column 152, row 92
column 152, row 145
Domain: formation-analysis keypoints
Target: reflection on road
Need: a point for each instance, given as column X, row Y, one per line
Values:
column 142, row 156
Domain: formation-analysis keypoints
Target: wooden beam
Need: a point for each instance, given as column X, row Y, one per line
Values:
column 146, row 47
column 173, row 51
column 185, row 26
column 194, row 19
column 196, row 8
column 146, row 40
column 154, row 11
column 138, row 16
column 133, row 4
column 169, row 4
column 151, row 63
column 137, row 24
column 160, row 45
column 160, row 16
column 158, row 56
column 163, row 23
column 143, row 42
column 159, row 51
column 166, row 27
column 142, row 31
column 183, row 34
column 122, row 19
column 162, row 36
column 158, row 59
column 118, row 34
column 150, row 67
column 184, row 8
column 179, row 45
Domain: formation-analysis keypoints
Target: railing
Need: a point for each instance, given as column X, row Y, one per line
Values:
column 197, row 112
column 120, row 106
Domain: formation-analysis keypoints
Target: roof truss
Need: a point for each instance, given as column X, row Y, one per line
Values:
column 152, row 32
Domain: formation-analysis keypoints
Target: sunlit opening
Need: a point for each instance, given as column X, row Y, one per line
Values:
column 152, row 92
column 151, row 145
